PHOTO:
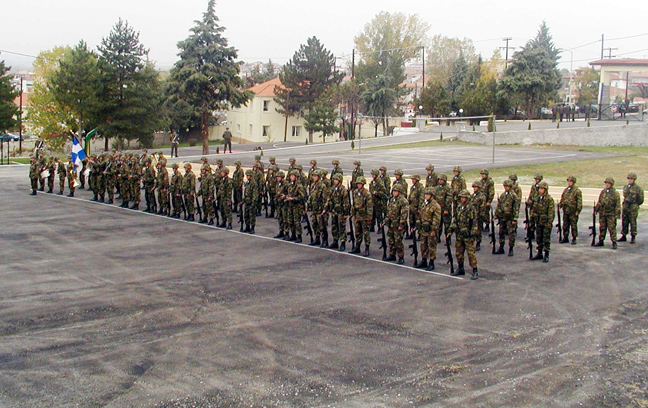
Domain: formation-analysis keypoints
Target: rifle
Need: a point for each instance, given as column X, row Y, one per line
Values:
column 308, row 228
column 351, row 233
column 383, row 237
column 241, row 217
column 414, row 247
column 448, row 254
column 559, row 225
column 184, row 207
column 325, row 227
column 198, row 208
column 493, row 241
column 265, row 202
column 593, row 226
column 529, row 236
column 216, row 208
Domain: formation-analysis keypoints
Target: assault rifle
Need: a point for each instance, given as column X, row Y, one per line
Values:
column 184, row 207
column 383, row 237
column 415, row 252
column 308, row 228
column 241, row 217
column 529, row 235
column 351, row 233
column 593, row 226
column 448, row 254
column 493, row 241
column 216, row 211
column 198, row 209
column 325, row 228
column 559, row 224
column 265, row 202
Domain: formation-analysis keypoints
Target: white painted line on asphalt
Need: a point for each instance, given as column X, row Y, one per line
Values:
column 114, row 207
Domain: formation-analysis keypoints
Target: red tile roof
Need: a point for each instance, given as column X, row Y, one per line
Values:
column 621, row 61
column 266, row 88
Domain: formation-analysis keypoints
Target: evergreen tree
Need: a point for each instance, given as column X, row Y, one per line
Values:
column 435, row 99
column 8, row 109
column 207, row 74
column 456, row 82
column 321, row 117
column 379, row 99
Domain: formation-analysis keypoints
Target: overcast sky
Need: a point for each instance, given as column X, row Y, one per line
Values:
column 274, row 29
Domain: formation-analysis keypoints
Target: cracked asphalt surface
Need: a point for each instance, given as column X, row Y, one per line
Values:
column 106, row 307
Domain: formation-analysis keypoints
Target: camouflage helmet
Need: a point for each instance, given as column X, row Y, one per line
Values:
column 293, row 173
column 382, row 168
column 357, row 162
column 257, row 157
column 314, row 162
column 361, row 180
column 175, row 166
column 274, row 168
column 187, row 166
column 272, row 158
column 416, row 177
column 255, row 164
column 476, row 183
column 571, row 178
column 237, row 163
column 337, row 176
column 508, row 183
column 205, row 167
column 203, row 158
column 249, row 173
column 632, row 176
column 443, row 177
column 458, row 168
column 484, row 171
column 219, row 161
column 429, row 167
column 316, row 173
column 299, row 167
column 544, row 185
column 292, row 160
column 224, row 170
column 324, row 172
column 398, row 172
column 374, row 172
column 538, row 176
column 513, row 177
column 464, row 193
column 429, row 191
column 399, row 187
column 281, row 174
column 336, row 162
column 609, row 180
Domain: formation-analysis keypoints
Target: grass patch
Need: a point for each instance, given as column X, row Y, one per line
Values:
column 21, row 160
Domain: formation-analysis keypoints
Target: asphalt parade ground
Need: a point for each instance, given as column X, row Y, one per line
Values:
column 108, row 307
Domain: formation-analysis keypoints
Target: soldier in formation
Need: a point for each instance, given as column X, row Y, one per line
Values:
column 609, row 211
column 571, row 203
column 633, row 197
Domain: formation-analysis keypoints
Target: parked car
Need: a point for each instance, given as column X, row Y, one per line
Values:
column 9, row 137
column 633, row 108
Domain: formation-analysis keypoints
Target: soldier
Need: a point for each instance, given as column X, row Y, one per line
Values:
column 292, row 165
column 356, row 173
column 443, row 196
column 62, row 173
column 271, row 188
column 216, row 178
column 206, row 191
column 571, row 202
column 225, row 199
column 189, row 191
column 458, row 183
column 134, row 180
column 273, row 161
column 488, row 188
column 71, row 175
column 302, row 177
column 34, row 174
column 294, row 196
column 336, row 168
column 162, row 187
column 609, row 210
column 51, row 167
column 398, row 179
column 508, row 208
column 237, row 185
column 316, row 200
column 464, row 225
column 379, row 196
column 148, row 181
column 124, row 172
column 516, row 188
column 633, row 197
column 542, row 214
column 175, row 188
column 93, row 176
column 42, row 166
column 311, row 170
column 338, row 205
column 477, row 199
column 386, row 181
column 161, row 159
column 427, row 227
column 361, row 212
column 258, row 179
column 396, row 221
column 533, row 193
column 110, row 178
column 279, row 204
column 259, row 163
column 431, row 180
column 250, row 199
column 82, row 175
column 414, row 199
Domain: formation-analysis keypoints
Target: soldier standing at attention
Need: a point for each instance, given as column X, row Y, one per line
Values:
column 339, row 207
column 176, row 190
column 414, row 199
column 271, row 188
column 148, row 180
column 313, row 168
column 379, row 196
column 237, row 185
column 51, row 166
column 431, row 180
column 110, row 177
column 71, row 175
column 292, row 165
column 633, row 197
column 427, row 227
column 134, row 180
column 356, row 173
column 508, row 208
column 227, row 139
column 477, row 199
column 396, row 221
column 62, row 173
column 488, row 188
column 516, row 188
column 189, row 191
column 82, row 175
column 571, row 203
column 316, row 201
column 543, row 214
column 533, row 193
column 443, row 196
column 162, row 187
column 464, row 225
column 609, row 210
column 362, row 213
column 124, row 172
column 273, row 161
column 386, row 181
column 34, row 174
column 295, row 195
column 336, row 168
column 225, row 199
column 280, row 204
column 206, row 191
column 458, row 184
column 398, row 179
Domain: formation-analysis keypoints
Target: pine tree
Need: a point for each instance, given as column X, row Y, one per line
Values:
column 207, row 74
column 321, row 117
column 8, row 109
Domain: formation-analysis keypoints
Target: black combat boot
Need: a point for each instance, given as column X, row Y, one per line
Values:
column 475, row 274
column 430, row 265
column 366, row 251
column 191, row 218
column 614, row 245
column 563, row 241
column 478, row 246
column 229, row 226
column 82, row 187
column 315, row 243
column 291, row 238
column 599, row 243
column 252, row 230
column 390, row 258
column 60, row 192
column 280, row 235
column 101, row 198
column 573, row 241
column 70, row 195
column 298, row 239
column 623, row 238
column 109, row 201
column 500, row 250
column 49, row 191
column 148, row 209
column 460, row 270
column 355, row 250
column 546, row 257
column 422, row 264
column 34, row 192
column 203, row 220
column 510, row 253
column 247, row 229
column 135, row 207
column 210, row 222
column 94, row 198
column 400, row 260
column 487, row 228
column 124, row 204
column 223, row 224
column 324, row 244
column 538, row 256
column 334, row 245
column 633, row 240
column 343, row 246
column 372, row 228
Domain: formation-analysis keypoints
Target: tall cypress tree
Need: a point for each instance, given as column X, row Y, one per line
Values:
column 8, row 109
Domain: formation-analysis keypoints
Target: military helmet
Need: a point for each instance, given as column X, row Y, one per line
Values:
column 361, row 180
column 508, row 183
column 443, row 177
column 205, row 167
column 429, row 191
column 513, row 177
column 464, row 193
column 203, row 158
column 219, row 161
column 313, row 162
column 458, row 168
column 272, row 158
column 187, row 166
column 324, row 172
column 292, row 160
column 632, row 176
column 274, row 168
column 484, row 171
column 337, row 176
column 544, row 185
column 476, row 183
column 255, row 164
column 335, row 162
column 175, row 166
column 224, row 170
column 374, row 172
column 293, row 173
column 299, row 167
column 382, row 168
column 281, row 174
column 429, row 167
column 609, row 180
column 538, row 176
column 237, row 163
column 398, row 172
column 249, row 173
column 257, row 157
column 357, row 162
column 316, row 173
column 571, row 178
column 416, row 177
column 399, row 188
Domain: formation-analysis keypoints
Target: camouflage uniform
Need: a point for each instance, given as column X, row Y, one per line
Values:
column 379, row 195
column 516, row 187
column 338, row 205
column 175, row 188
column 443, row 196
column 313, row 168
column 34, row 175
column 148, row 181
column 398, row 179
column 237, row 185
column 609, row 210
column 82, row 175
column 225, row 198
column 271, row 188
column 428, row 227
column 124, row 189
column 414, row 199
column 362, row 213
column 206, row 191
column 542, row 215
column 279, row 204
column 431, row 180
column 458, row 184
column 396, row 221
column 633, row 197
column 71, row 176
column 51, row 166
column 62, row 173
column 478, row 200
column 488, row 188
column 336, row 168
column 162, row 187
column 319, row 193
column 189, row 191
column 464, row 225
column 110, row 178
column 386, row 181
column 508, row 208
column 295, row 196
column 134, row 182
column 571, row 203
column 357, row 172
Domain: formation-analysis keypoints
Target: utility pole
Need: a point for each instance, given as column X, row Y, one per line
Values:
column 610, row 56
column 602, row 45
column 352, row 135
column 20, row 127
column 507, row 39
column 423, row 86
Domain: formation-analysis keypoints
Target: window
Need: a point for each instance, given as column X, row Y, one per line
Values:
column 250, row 133
column 296, row 131
column 266, row 130
column 266, row 106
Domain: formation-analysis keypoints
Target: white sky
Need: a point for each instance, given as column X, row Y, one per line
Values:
column 275, row 29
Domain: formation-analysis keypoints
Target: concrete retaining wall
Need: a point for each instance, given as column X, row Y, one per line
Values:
column 626, row 135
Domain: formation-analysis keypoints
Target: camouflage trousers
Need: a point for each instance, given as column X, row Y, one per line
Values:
column 480, row 227
column 99, row 185
column 570, row 224
column 428, row 246
column 42, row 182
column 485, row 214
column 163, row 199
column 361, row 227
column 378, row 210
column 238, row 196
column 110, row 187
column 34, row 184
column 208, row 208
column 319, row 223
column 134, row 191
column 543, row 237
column 507, row 230
column 177, row 204
column 629, row 220
column 149, row 195
column 294, row 214
column 61, row 184
column 189, row 203
column 82, row 177
column 71, row 184
column 444, row 225
column 467, row 245
column 395, row 239
column 93, row 183
column 607, row 223
column 413, row 216
column 338, row 227
column 280, row 213
column 226, row 211
column 50, row 182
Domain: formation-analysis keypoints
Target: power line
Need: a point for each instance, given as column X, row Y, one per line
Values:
column 633, row 52
column 584, row 45
column 17, row 53
column 630, row 36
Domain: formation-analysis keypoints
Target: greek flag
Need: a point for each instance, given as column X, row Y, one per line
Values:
column 78, row 153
